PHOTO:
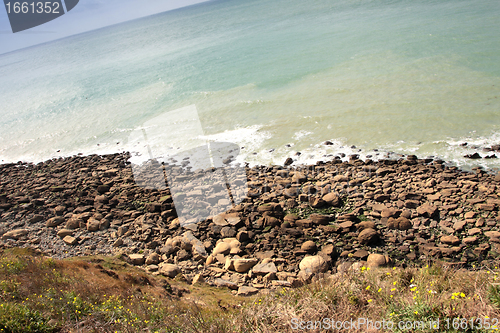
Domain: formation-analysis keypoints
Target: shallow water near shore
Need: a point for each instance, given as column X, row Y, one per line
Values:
column 411, row 77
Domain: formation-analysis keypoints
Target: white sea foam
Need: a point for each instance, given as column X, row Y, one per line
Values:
column 326, row 79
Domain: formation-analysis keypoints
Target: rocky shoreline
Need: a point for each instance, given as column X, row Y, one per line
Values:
column 295, row 223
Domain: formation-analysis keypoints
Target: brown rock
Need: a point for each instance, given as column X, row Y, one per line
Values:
column 93, row 224
column 64, row 232
column 313, row 264
column 360, row 254
column 434, row 197
column 101, row 199
column 340, row 179
column 450, row 239
column 401, row 223
column 384, row 171
column 368, row 236
column 390, row 212
column 308, row 246
column 244, row 265
column 153, row 259
column 346, row 225
column 299, row 177
column 470, row 240
column 470, row 215
column 366, row 225
column 332, row 199
column 427, row 210
column 486, row 207
column 223, row 248
column 225, row 284
column 15, row 234
column 169, row 270
column 316, row 202
column 269, row 277
column 247, row 291
column 474, row 231
column 377, row 260
column 264, row 268
column 291, row 218
column 304, row 223
column 328, row 250
column 319, row 219
column 137, row 259
column 36, row 218
column 102, row 189
column 198, row 279
column 70, row 240
column 242, row 236
column 459, row 225
column 492, row 234
column 229, row 264
column 54, row 222
column 73, row 223
column 381, row 197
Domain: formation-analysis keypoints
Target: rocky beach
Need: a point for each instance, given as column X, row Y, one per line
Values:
column 295, row 223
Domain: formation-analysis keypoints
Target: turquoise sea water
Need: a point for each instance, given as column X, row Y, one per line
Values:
column 412, row 77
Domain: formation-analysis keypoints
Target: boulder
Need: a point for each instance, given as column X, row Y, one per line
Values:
column 427, row 210
column 459, row 225
column 308, row 246
column 492, row 234
column 247, row 291
column 229, row 266
column 340, row 179
column 15, row 234
column 390, row 212
column 299, row 177
column 401, row 223
column 64, row 232
column 169, row 270
column 93, row 224
column 136, row 259
column 73, row 223
column 450, row 239
column 70, row 240
column 225, row 283
column 222, row 248
column 319, row 219
column 36, row 218
column 368, row 236
column 153, row 259
column 366, row 225
column 332, row 199
column 377, row 260
column 313, row 264
column 242, row 236
column 264, row 268
column 328, row 250
column 198, row 278
column 54, row 222
column 243, row 265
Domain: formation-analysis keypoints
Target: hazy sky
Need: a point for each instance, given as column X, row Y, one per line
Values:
column 87, row 15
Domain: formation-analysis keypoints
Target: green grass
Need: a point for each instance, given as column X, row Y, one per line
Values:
column 19, row 318
column 40, row 294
